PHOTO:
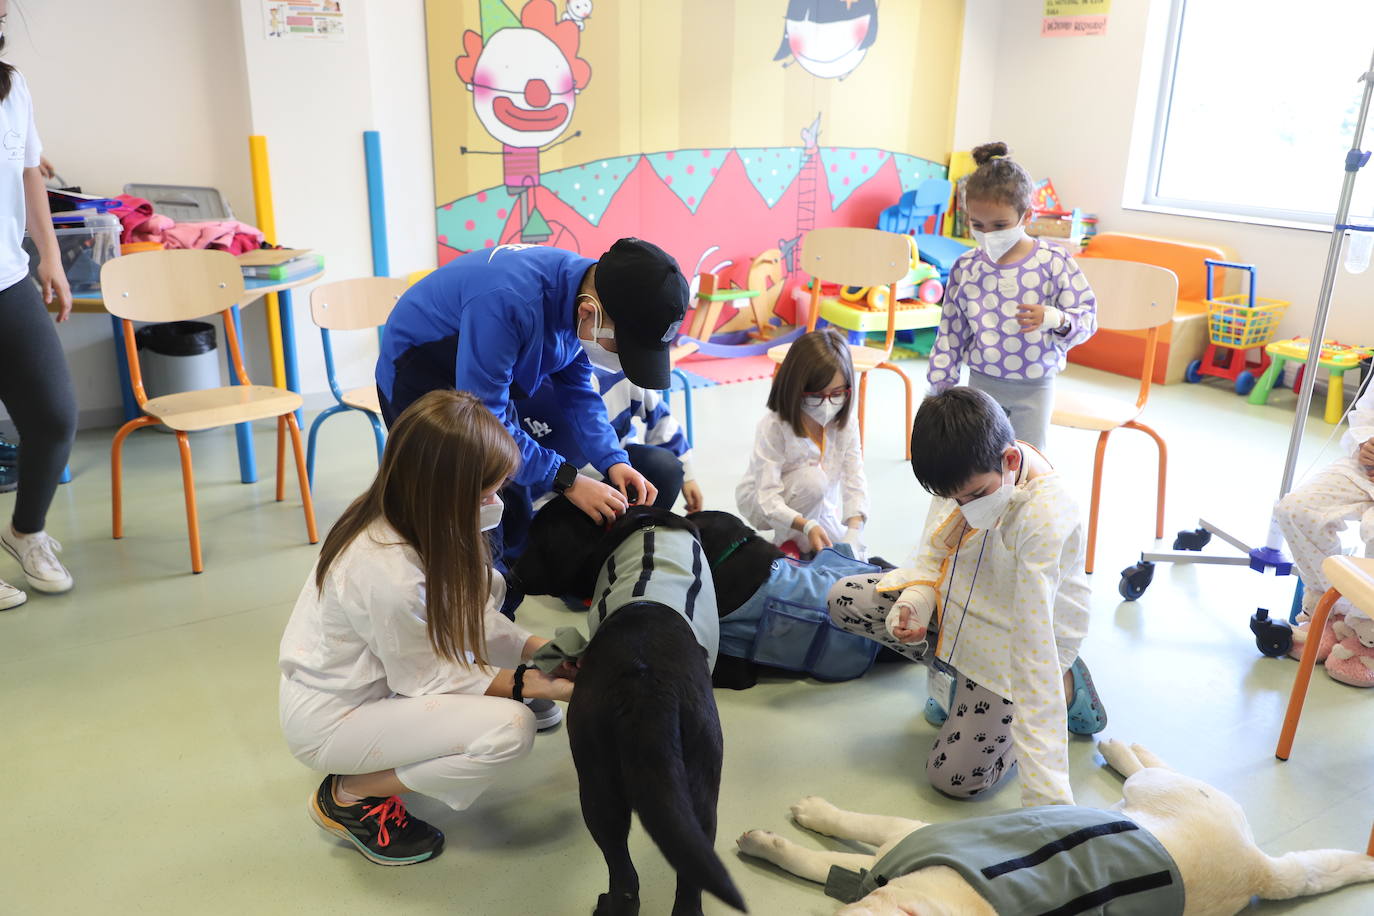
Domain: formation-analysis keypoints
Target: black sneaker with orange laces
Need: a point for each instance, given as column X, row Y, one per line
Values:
column 379, row 827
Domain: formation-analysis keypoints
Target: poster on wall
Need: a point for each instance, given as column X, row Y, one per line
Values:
column 748, row 125
column 309, row 20
column 1075, row 18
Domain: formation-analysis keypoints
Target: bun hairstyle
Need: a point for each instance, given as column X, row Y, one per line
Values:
column 998, row 179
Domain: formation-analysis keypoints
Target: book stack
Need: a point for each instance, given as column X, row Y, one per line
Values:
column 280, row 265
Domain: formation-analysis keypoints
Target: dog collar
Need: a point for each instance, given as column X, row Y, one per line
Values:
column 731, row 549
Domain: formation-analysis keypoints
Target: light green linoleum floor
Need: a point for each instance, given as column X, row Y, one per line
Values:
column 144, row 771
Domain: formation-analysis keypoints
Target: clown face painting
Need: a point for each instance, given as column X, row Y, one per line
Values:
column 524, row 76
column 828, row 38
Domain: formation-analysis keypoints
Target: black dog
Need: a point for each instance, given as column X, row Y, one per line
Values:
column 642, row 725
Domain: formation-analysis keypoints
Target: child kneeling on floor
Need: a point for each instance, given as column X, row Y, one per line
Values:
column 805, row 481
column 398, row 671
column 1003, row 564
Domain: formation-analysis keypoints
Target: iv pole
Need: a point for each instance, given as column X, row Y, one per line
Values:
column 1135, row 579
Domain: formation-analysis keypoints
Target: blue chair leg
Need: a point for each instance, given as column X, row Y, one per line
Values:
column 377, row 431
column 315, row 425
column 686, row 402
column 1297, row 602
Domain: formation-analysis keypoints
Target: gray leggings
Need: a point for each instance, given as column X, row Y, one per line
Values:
column 1029, row 405
column 36, row 390
column 973, row 751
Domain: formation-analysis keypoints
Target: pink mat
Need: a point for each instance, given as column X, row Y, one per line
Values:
column 724, row 371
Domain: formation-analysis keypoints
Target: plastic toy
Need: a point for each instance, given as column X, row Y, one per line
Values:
column 1235, row 325
column 909, row 216
column 1335, row 357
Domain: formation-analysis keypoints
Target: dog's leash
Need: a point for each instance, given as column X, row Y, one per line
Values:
column 954, row 568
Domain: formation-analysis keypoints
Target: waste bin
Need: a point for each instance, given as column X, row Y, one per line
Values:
column 177, row 356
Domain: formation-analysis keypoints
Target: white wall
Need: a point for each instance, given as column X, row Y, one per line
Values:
column 1068, row 105
column 139, row 90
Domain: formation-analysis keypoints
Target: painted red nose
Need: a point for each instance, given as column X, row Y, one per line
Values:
column 537, row 93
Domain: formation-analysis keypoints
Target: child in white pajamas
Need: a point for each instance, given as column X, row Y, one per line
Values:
column 1313, row 516
column 805, row 481
column 398, row 671
column 1003, row 565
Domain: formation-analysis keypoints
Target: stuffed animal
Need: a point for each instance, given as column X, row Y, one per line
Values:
column 1328, row 638
column 1352, row 659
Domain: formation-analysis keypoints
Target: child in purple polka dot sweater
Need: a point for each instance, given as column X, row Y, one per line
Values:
column 1014, row 305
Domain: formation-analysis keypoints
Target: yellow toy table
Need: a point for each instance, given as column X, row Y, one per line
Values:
column 1336, row 358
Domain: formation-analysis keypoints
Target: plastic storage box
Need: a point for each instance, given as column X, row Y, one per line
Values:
column 85, row 240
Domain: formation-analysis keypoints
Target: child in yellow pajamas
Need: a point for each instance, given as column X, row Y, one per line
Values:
column 999, row 576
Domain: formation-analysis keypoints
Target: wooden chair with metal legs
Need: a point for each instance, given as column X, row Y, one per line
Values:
column 1351, row 578
column 1130, row 297
column 350, row 305
column 180, row 286
column 858, row 257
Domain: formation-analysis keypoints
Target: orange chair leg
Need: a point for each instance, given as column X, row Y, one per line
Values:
column 281, row 458
column 863, row 400
column 306, row 500
column 1096, row 500
column 1369, row 850
column 117, row 473
column 1305, row 666
column 1163, row 474
column 910, row 402
column 188, row 485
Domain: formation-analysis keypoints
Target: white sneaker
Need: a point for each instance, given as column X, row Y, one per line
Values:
column 37, row 553
column 10, row 596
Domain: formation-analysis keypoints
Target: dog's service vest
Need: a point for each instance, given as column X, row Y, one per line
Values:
column 664, row 565
column 1053, row 859
column 786, row 623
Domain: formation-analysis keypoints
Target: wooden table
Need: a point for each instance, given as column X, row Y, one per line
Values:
column 283, row 362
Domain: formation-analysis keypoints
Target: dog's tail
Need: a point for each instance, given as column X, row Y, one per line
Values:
column 1313, row 871
column 657, row 783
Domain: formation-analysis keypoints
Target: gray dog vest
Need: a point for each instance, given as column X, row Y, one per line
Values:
column 1057, row 859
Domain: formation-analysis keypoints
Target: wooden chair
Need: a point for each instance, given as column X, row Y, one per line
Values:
column 1130, row 297
column 180, row 286
column 858, row 257
column 350, row 305
column 1353, row 579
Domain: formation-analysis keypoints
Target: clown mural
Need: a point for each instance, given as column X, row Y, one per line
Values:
column 524, row 75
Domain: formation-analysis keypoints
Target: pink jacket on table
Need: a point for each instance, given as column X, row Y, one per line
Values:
column 141, row 224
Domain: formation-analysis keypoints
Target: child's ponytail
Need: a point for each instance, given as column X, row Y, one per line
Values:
column 998, row 179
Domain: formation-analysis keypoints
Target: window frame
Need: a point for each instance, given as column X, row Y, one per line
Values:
column 1151, row 199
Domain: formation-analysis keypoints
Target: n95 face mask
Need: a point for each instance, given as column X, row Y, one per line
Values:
column 1000, row 242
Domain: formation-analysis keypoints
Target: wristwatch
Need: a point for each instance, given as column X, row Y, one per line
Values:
column 564, row 478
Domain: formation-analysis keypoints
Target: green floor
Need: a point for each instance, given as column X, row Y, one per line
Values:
column 145, row 772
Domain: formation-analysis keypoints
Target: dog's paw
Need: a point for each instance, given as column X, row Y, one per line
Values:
column 761, row 844
column 814, row 813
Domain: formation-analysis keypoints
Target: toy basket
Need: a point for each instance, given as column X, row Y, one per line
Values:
column 1244, row 320
column 1234, row 323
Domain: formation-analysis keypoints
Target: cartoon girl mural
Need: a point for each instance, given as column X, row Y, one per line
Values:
column 829, row 38
column 524, row 76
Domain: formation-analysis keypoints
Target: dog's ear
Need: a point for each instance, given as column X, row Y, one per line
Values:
column 561, row 541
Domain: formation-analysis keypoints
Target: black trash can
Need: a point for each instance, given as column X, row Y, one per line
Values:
column 177, row 356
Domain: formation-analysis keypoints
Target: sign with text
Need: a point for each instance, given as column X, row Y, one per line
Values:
column 1072, row 26
column 1077, row 7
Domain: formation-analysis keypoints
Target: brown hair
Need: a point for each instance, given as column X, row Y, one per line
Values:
column 444, row 451
column 812, row 361
column 998, row 179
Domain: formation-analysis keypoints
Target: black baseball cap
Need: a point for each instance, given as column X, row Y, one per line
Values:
column 645, row 294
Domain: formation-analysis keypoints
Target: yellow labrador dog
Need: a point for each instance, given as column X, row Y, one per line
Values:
column 1172, row 845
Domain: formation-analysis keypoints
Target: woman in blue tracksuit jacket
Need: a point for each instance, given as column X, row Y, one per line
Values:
column 499, row 321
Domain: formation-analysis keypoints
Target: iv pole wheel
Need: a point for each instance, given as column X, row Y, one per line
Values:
column 1135, row 579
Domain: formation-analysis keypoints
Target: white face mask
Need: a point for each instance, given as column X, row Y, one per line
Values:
column 986, row 512
column 822, row 414
column 1000, row 242
column 598, row 354
column 490, row 514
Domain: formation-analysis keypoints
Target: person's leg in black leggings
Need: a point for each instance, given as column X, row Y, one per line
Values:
column 661, row 468
column 36, row 390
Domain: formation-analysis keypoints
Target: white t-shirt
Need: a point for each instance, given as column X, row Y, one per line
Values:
column 19, row 149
